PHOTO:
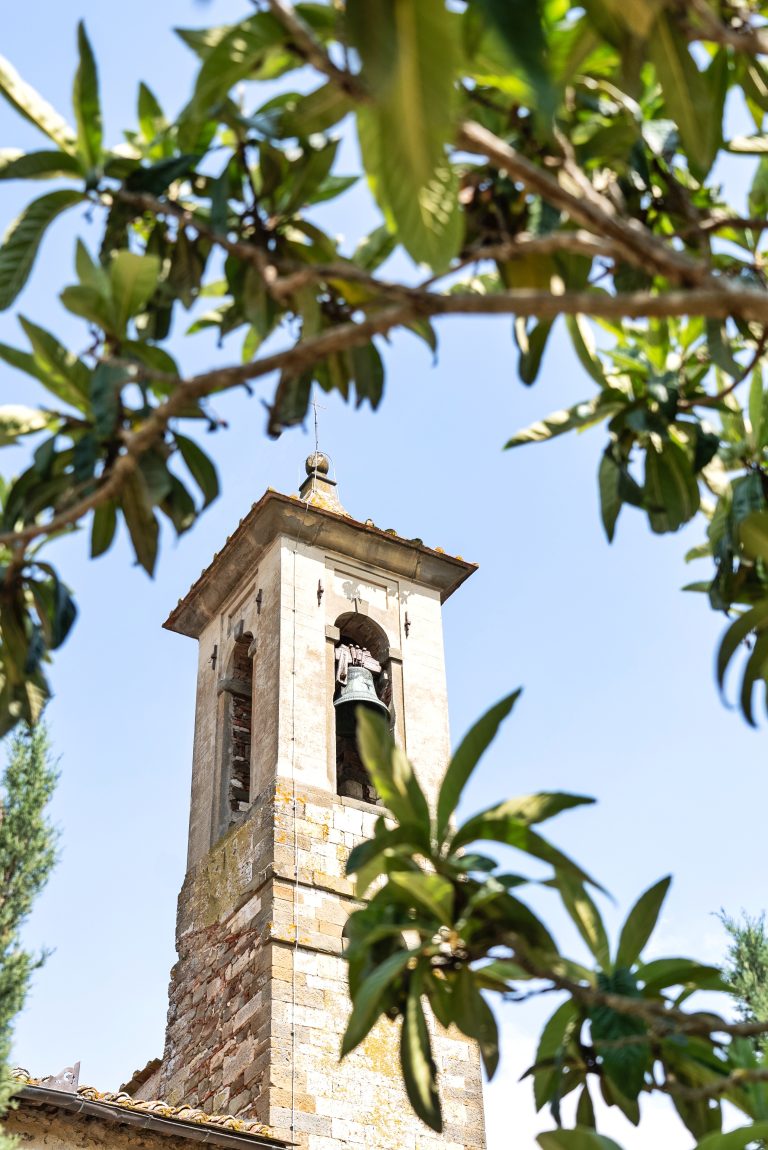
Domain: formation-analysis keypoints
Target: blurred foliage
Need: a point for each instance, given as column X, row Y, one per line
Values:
column 27, row 855
column 546, row 161
column 443, row 925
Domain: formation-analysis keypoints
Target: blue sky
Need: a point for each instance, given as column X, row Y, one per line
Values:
column 617, row 663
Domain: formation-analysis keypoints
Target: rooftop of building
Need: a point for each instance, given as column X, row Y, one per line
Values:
column 316, row 516
column 61, row 1092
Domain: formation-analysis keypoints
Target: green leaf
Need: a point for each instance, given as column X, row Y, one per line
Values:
column 662, row 973
column 577, row 1139
column 141, row 523
column 550, row 1052
column 587, row 919
column 585, row 1111
column 106, row 384
column 431, row 891
column 59, row 370
column 22, row 239
column 15, row 165
column 511, row 813
column 391, row 773
column 474, row 1017
column 410, row 53
column 157, row 178
column 316, row 112
column 385, row 841
column 520, row 27
column 671, row 490
column 753, row 535
column 466, row 758
column 756, row 405
column 34, row 108
column 531, row 345
column 152, row 122
column 86, row 103
column 103, row 528
column 419, row 1071
column 735, row 1139
column 609, row 482
column 371, row 252
column 368, row 999
column 133, row 279
column 694, row 99
column 758, row 192
column 581, row 415
column 16, row 421
column 200, row 466
column 585, row 347
column 90, row 303
column 753, row 620
column 640, row 923
column 232, row 59
column 624, row 1062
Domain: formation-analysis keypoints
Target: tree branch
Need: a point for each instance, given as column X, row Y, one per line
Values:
column 718, row 302
column 748, row 39
column 596, row 213
column 312, row 50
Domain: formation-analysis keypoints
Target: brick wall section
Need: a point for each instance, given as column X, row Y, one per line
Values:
column 255, row 1020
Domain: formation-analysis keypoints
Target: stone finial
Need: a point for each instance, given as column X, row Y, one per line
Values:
column 318, row 489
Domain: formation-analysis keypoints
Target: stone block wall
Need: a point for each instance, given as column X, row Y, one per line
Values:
column 258, row 998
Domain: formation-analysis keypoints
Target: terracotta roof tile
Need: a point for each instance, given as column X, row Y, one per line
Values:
column 157, row 1106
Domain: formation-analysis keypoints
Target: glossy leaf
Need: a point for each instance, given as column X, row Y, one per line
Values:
column 15, row 165
column 34, row 108
column 581, row 415
column 560, row 1028
column 576, row 1139
column 409, row 53
column 140, row 520
column 640, row 923
column 16, row 421
column 474, row 1017
column 694, row 100
column 367, row 1002
column 419, row 1071
column 432, row 892
column 391, row 773
column 466, row 758
column 133, row 280
column 103, row 528
column 524, row 811
column 200, row 467
column 587, row 920
column 86, row 103
column 22, row 240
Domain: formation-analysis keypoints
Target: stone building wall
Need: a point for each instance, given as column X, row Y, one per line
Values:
column 258, row 999
column 46, row 1128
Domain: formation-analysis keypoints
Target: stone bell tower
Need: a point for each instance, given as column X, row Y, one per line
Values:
column 302, row 605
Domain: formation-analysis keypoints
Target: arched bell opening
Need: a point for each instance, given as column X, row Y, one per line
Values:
column 363, row 680
column 236, row 775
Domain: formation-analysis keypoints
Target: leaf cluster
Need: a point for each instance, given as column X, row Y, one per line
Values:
column 443, row 925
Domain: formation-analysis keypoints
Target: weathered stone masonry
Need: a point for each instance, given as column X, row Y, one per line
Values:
column 258, row 997
column 229, row 1044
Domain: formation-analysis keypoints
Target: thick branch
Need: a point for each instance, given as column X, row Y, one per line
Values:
column 596, row 213
column 312, row 50
column 706, row 26
column 720, row 302
column 733, row 1081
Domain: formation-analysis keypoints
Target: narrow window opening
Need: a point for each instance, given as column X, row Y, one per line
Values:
column 240, row 724
column 362, row 680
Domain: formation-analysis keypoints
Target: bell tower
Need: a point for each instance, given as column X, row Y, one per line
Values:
column 303, row 616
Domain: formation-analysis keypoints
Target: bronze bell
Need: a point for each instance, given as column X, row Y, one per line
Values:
column 358, row 691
